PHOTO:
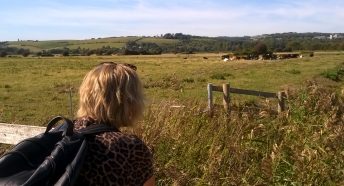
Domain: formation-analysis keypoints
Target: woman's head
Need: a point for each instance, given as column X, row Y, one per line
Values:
column 111, row 93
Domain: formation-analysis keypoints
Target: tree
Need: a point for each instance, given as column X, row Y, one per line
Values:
column 26, row 53
column 295, row 45
column 65, row 53
column 168, row 36
column 260, row 48
column 133, row 48
column 3, row 54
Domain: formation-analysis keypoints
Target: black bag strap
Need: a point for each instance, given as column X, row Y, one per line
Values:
column 92, row 129
column 97, row 129
column 70, row 125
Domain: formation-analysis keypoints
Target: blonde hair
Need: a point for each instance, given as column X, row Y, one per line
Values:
column 112, row 94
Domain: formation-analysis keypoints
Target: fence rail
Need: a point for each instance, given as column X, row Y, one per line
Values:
column 14, row 133
column 227, row 90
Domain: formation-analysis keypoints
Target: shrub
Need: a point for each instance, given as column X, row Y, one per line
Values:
column 26, row 53
column 336, row 74
column 201, row 80
column 188, row 80
column 3, row 54
column 220, row 76
column 65, row 53
column 260, row 48
column 293, row 71
column 7, row 86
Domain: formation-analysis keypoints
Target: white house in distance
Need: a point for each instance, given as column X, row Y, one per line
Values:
column 332, row 36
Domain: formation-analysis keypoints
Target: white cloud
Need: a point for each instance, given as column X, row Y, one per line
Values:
column 204, row 18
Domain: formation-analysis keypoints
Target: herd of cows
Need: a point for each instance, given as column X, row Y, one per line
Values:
column 267, row 56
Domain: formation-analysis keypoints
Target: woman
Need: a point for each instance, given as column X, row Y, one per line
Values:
column 112, row 94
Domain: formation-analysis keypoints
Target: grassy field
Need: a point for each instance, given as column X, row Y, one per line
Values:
column 116, row 42
column 28, row 86
column 255, row 146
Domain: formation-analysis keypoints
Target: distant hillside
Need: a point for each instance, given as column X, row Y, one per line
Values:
column 309, row 35
column 116, row 42
column 176, row 43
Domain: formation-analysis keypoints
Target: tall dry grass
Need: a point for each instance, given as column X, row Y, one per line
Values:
column 254, row 146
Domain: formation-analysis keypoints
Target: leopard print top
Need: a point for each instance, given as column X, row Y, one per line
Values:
column 114, row 158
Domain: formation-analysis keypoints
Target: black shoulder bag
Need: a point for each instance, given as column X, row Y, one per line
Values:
column 52, row 158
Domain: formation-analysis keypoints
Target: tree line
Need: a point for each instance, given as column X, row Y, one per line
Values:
column 285, row 42
column 4, row 50
column 131, row 48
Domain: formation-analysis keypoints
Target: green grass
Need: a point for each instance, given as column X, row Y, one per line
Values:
column 40, row 45
column 29, row 86
column 159, row 41
column 24, row 46
column 255, row 146
column 95, row 45
column 336, row 74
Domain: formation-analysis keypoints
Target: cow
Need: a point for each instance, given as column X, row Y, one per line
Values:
column 225, row 56
column 233, row 58
column 288, row 56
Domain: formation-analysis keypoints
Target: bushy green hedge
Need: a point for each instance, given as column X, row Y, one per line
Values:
column 336, row 74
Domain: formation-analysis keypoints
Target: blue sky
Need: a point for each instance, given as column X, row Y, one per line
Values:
column 82, row 19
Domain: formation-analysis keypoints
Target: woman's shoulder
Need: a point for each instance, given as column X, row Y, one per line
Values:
column 116, row 140
column 128, row 144
column 129, row 139
column 83, row 122
column 136, row 156
column 120, row 155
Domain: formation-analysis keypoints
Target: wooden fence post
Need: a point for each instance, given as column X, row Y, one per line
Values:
column 70, row 103
column 281, row 101
column 210, row 98
column 226, row 97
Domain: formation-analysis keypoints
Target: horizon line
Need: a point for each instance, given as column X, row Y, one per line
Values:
column 159, row 35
